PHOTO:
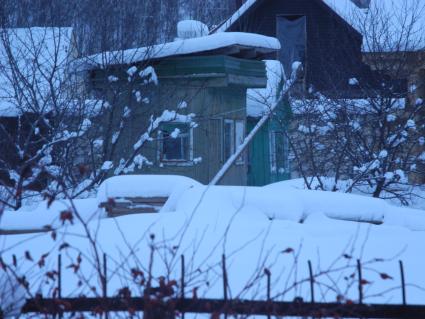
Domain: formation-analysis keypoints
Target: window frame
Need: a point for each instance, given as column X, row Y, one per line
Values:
column 273, row 153
column 234, row 124
column 231, row 139
column 160, row 150
column 241, row 159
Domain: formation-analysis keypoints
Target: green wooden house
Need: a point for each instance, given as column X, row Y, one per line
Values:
column 207, row 79
column 268, row 152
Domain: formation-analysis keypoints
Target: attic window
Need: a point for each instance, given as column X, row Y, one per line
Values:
column 175, row 143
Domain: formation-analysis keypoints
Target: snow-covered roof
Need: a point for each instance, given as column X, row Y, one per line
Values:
column 30, row 60
column 259, row 101
column 253, row 226
column 397, row 14
column 206, row 44
column 384, row 22
column 250, row 3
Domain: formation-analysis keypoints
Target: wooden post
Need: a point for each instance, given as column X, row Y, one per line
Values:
column 105, row 282
column 105, row 274
column 223, row 260
column 403, row 283
column 59, row 276
column 310, row 269
column 359, row 270
column 182, row 281
column 60, row 281
column 268, row 275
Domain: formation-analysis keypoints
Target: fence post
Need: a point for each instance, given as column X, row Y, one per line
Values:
column 310, row 269
column 182, row 283
column 359, row 270
column 59, row 276
column 403, row 283
column 268, row 275
column 223, row 261
column 105, row 281
column 60, row 280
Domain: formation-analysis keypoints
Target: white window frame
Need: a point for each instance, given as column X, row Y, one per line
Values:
column 235, row 134
column 232, row 138
column 273, row 152
column 239, row 138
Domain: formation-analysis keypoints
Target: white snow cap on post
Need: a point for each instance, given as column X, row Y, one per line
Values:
column 189, row 29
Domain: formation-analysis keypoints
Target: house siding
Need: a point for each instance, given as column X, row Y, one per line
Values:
column 212, row 99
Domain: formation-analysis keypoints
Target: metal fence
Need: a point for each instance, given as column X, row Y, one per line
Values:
column 179, row 304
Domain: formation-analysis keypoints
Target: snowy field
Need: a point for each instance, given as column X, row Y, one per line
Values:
column 276, row 227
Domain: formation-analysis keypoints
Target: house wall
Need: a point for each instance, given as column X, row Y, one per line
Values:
column 333, row 46
column 211, row 99
column 269, row 149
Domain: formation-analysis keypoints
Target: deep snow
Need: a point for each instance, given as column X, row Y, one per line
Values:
column 254, row 227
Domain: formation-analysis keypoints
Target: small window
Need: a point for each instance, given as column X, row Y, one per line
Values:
column 175, row 143
column 233, row 137
column 228, row 138
column 279, row 148
column 239, row 138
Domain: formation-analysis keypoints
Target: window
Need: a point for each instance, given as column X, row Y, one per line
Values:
column 175, row 143
column 239, row 138
column 233, row 137
column 229, row 138
column 279, row 148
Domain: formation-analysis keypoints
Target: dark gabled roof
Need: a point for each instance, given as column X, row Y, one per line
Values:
column 250, row 5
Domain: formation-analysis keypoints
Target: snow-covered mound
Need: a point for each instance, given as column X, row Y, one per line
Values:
column 275, row 201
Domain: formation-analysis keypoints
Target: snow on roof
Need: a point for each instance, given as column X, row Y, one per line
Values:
column 30, row 60
column 253, row 226
column 397, row 13
column 181, row 47
column 249, row 3
column 385, row 22
column 259, row 101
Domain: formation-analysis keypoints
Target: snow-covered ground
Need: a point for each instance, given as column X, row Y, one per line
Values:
column 275, row 227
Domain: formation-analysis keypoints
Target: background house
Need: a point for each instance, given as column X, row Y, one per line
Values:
column 312, row 32
column 33, row 78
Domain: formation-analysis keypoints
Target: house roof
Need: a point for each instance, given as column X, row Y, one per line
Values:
column 396, row 13
column 31, row 59
column 385, row 22
column 237, row 44
column 251, row 3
